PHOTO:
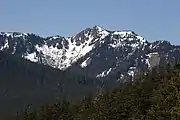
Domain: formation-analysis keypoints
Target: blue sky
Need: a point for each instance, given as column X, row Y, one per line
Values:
column 153, row 19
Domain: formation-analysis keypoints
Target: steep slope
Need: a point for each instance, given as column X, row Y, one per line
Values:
column 126, row 60
column 55, row 51
column 95, row 51
column 23, row 84
column 153, row 96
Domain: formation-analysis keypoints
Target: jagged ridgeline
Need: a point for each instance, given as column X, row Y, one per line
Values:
column 36, row 70
column 95, row 51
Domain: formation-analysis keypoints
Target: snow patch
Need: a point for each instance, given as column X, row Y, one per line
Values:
column 55, row 37
column 8, row 34
column 122, row 33
column 142, row 40
column 63, row 58
column 14, row 48
column 104, row 73
column 127, row 38
column 121, row 78
column 148, row 63
column 151, row 54
column 103, row 34
column 32, row 57
column 131, row 72
column 14, row 34
column 6, row 45
column 85, row 63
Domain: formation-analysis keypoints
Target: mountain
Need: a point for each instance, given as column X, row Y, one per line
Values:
column 36, row 70
column 95, row 51
column 25, row 84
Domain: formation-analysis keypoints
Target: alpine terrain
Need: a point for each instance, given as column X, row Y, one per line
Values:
column 37, row 70
column 95, row 51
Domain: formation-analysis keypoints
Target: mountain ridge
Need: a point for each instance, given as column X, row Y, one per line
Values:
column 91, row 48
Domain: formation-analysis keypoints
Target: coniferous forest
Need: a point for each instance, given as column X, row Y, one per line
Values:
column 151, row 96
column 24, row 84
column 89, row 60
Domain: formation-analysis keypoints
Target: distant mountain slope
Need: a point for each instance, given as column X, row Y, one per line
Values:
column 24, row 83
column 35, row 70
column 154, row 96
column 95, row 51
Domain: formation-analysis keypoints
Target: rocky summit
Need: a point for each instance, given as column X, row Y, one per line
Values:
column 95, row 51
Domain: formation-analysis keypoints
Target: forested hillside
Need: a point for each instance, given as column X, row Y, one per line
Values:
column 154, row 96
column 25, row 84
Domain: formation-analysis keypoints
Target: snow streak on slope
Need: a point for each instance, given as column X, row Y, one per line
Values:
column 63, row 58
column 6, row 45
column 60, row 52
column 76, row 48
column 101, row 52
column 104, row 73
column 86, row 62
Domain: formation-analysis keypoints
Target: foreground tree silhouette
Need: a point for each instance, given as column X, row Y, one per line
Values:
column 166, row 100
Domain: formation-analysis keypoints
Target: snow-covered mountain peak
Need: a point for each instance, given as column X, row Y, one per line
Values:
column 127, row 38
column 128, row 34
column 62, row 52
column 109, row 49
column 102, row 32
column 99, row 28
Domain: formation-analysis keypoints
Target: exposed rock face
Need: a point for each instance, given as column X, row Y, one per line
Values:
column 94, row 51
